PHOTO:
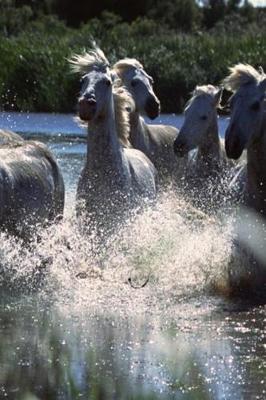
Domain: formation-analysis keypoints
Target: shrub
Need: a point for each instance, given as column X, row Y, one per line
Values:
column 35, row 76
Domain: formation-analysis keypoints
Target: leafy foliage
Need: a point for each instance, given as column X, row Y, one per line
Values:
column 35, row 76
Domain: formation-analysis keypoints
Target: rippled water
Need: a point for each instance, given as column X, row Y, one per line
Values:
column 87, row 333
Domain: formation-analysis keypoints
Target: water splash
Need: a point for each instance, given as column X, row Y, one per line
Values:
column 177, row 250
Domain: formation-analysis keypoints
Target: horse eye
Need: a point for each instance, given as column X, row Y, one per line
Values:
column 134, row 83
column 108, row 82
column 255, row 106
column 203, row 117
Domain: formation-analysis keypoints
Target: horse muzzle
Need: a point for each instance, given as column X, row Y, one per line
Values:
column 180, row 148
column 152, row 107
column 87, row 108
column 234, row 144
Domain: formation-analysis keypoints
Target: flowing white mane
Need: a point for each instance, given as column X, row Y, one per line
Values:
column 91, row 60
column 96, row 60
column 242, row 74
column 204, row 90
column 125, row 64
column 122, row 102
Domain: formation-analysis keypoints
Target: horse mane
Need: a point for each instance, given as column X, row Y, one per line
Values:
column 96, row 60
column 122, row 66
column 242, row 74
column 91, row 60
column 123, row 103
column 204, row 90
column 9, row 138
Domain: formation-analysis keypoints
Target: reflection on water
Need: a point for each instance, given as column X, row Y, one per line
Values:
column 87, row 333
column 54, row 355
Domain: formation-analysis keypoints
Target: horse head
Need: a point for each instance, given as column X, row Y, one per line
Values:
column 96, row 83
column 140, row 85
column 247, row 108
column 200, row 115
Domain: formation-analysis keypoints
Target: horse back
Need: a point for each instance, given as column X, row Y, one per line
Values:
column 163, row 135
column 7, row 136
column 32, row 189
column 143, row 173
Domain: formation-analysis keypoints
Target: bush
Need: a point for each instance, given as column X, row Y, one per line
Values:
column 35, row 76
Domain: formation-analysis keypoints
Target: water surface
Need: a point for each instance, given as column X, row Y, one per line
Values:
column 86, row 333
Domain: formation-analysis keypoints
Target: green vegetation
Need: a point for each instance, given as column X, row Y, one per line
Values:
column 188, row 45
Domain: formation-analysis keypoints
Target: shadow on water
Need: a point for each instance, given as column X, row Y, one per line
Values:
column 87, row 333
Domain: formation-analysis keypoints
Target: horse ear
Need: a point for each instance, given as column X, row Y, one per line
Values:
column 261, row 71
column 263, row 85
column 218, row 97
column 114, row 76
column 195, row 91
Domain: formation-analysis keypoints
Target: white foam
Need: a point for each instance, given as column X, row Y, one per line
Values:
column 178, row 250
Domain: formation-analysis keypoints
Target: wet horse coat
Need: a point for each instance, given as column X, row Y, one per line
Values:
column 116, row 177
column 31, row 185
column 156, row 141
column 247, row 130
column 208, row 171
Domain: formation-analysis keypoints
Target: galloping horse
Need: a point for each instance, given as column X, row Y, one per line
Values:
column 207, row 168
column 115, row 177
column 31, row 185
column 156, row 141
column 247, row 130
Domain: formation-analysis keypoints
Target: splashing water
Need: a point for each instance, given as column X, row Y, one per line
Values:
column 87, row 329
column 175, row 249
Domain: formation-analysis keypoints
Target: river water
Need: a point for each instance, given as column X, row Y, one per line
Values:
column 86, row 333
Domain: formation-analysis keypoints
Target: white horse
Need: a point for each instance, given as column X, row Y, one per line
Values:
column 156, row 141
column 115, row 177
column 31, row 186
column 247, row 130
column 7, row 136
column 208, row 170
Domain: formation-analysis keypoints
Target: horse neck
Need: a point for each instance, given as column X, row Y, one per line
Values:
column 256, row 172
column 209, row 151
column 138, row 132
column 104, row 152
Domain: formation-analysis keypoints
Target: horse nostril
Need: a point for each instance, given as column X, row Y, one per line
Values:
column 91, row 101
column 152, row 107
column 90, row 97
column 87, row 108
column 87, row 101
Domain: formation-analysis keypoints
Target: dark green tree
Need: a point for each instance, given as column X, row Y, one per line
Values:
column 177, row 14
column 13, row 19
column 78, row 11
column 248, row 11
column 213, row 11
column 233, row 5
